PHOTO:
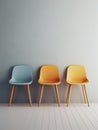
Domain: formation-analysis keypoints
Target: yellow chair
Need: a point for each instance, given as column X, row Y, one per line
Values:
column 76, row 75
column 49, row 75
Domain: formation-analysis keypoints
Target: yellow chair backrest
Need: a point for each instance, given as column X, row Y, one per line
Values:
column 76, row 73
column 49, row 73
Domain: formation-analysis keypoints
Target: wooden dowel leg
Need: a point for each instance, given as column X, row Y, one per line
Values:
column 41, row 93
column 12, row 94
column 84, row 93
column 29, row 95
column 67, row 94
column 86, row 96
column 57, row 94
column 68, row 100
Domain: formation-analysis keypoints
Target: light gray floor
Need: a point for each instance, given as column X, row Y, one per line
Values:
column 49, row 117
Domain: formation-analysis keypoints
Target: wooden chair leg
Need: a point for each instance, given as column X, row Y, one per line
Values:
column 84, row 93
column 70, row 89
column 41, row 93
column 86, row 96
column 12, row 94
column 57, row 94
column 29, row 94
column 67, row 95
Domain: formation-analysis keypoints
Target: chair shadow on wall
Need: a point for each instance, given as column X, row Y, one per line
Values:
column 64, row 86
column 35, row 89
column 4, row 87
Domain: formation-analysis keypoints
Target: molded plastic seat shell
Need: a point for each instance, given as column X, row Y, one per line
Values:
column 49, row 75
column 76, row 75
column 21, row 75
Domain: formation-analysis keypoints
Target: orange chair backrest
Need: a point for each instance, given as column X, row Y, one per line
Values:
column 76, row 73
column 49, row 73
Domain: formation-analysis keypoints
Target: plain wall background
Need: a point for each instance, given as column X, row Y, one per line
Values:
column 38, row 32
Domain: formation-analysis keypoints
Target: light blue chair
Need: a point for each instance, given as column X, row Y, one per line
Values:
column 21, row 75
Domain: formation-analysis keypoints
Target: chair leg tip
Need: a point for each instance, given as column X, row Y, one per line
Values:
column 88, row 105
column 9, row 104
column 31, row 105
column 67, row 105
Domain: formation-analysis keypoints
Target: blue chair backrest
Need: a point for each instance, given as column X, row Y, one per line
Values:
column 22, row 73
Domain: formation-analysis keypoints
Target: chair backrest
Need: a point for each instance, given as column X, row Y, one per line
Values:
column 76, row 73
column 22, row 73
column 49, row 73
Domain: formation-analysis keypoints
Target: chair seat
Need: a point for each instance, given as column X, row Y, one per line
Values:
column 15, row 82
column 49, row 82
column 78, row 82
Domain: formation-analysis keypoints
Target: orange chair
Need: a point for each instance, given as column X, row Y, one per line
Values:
column 76, row 75
column 49, row 75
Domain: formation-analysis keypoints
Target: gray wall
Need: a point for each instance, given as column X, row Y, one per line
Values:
column 38, row 32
